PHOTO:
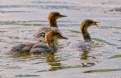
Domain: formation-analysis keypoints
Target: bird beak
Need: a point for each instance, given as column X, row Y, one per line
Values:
column 58, row 37
column 62, row 37
column 63, row 16
column 96, row 23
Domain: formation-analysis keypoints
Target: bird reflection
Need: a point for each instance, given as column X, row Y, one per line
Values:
column 87, row 60
column 53, row 62
column 84, row 55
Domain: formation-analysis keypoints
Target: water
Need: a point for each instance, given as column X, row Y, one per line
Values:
column 19, row 19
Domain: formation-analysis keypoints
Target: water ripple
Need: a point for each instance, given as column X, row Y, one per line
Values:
column 41, row 6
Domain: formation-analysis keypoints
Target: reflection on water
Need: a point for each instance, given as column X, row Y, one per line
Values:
column 53, row 62
column 27, row 75
column 103, row 70
column 39, row 6
column 19, row 20
column 85, row 56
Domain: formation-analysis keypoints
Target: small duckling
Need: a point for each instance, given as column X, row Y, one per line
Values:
column 51, row 37
column 84, row 26
column 52, row 18
column 88, row 43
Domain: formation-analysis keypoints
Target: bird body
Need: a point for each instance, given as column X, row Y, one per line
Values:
column 22, row 48
column 39, row 47
column 86, row 36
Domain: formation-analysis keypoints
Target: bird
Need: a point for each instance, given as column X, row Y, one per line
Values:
column 52, row 19
column 51, row 38
column 87, row 42
column 84, row 26
column 30, row 48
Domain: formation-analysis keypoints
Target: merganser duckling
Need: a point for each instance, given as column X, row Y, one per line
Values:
column 51, row 37
column 86, row 36
column 88, row 43
column 52, row 18
column 84, row 26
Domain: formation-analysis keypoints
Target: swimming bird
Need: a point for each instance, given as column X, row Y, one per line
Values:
column 87, row 44
column 52, row 19
column 84, row 26
column 51, row 38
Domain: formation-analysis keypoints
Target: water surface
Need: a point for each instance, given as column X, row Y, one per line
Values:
column 19, row 20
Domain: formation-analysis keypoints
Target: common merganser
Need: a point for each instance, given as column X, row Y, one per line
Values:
column 51, row 37
column 84, row 26
column 52, row 19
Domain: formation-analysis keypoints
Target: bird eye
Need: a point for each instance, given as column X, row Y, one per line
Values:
column 41, row 34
